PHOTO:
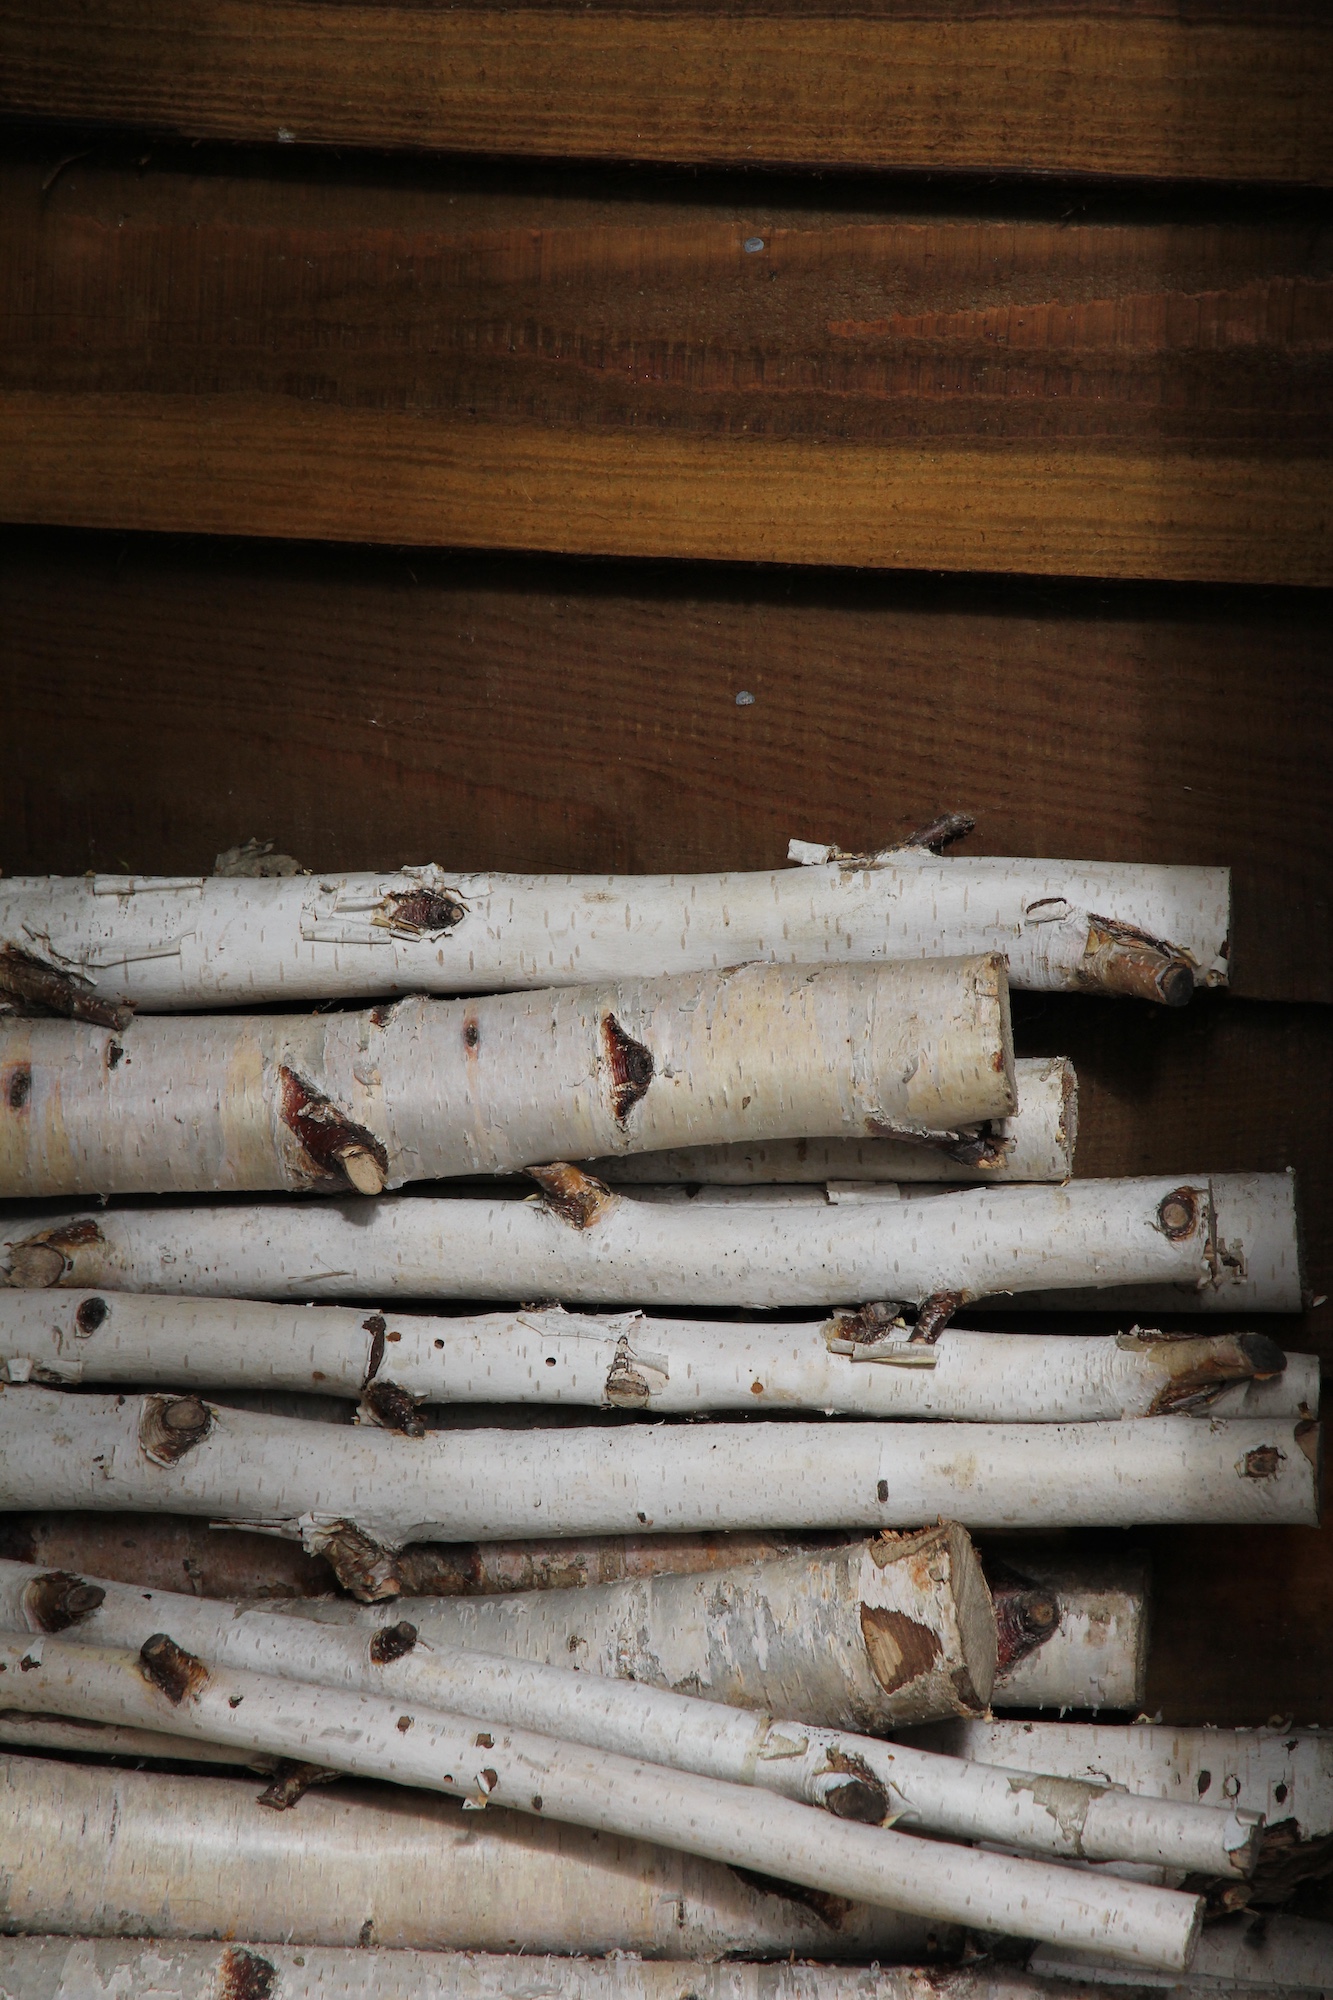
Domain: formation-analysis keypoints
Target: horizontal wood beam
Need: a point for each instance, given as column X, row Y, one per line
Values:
column 1123, row 87
column 434, row 357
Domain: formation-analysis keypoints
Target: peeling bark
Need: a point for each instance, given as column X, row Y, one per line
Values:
column 425, row 1089
column 1098, row 1237
column 84, row 1851
column 30, row 985
column 853, row 1777
column 186, row 942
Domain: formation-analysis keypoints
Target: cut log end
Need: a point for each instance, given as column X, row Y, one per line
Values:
column 41, row 1260
column 32, row 986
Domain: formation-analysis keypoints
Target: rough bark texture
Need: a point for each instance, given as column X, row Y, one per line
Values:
column 853, row 1776
column 862, row 1363
column 129, row 1853
column 429, row 1088
column 324, row 1482
column 1222, row 1243
column 217, row 941
column 164, row 1685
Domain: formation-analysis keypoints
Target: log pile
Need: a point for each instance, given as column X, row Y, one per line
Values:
column 640, row 1614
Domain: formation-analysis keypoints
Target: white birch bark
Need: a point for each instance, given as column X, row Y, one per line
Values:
column 1228, row 1242
column 628, row 1361
column 127, row 1969
column 1285, row 1774
column 854, row 1776
column 163, row 943
column 127, row 1853
column 1264, row 1957
column 1097, row 1655
column 867, row 1636
column 429, row 1088
column 1035, row 1143
column 368, row 1735
column 185, row 1456
column 107, row 1739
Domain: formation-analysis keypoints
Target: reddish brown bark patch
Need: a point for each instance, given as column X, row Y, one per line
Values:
column 244, row 1975
column 934, row 1314
column 89, row 1315
column 363, row 1567
column 393, row 1642
column 43, row 1258
column 900, row 1649
column 861, row 1796
column 169, row 1667
column 38, row 988
column 1117, row 958
column 169, row 1426
column 60, row 1599
column 393, row 1409
column 17, row 1086
column 340, row 1152
column 833, row 1911
column 414, row 913
column 571, row 1194
column 1178, row 1214
column 291, row 1781
column 1263, row 1461
column 1026, row 1614
column 631, row 1066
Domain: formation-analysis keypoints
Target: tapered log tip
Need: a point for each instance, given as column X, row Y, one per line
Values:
column 1176, row 986
column 1262, row 1353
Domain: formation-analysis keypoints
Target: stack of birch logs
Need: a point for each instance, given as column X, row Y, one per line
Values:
column 619, row 1501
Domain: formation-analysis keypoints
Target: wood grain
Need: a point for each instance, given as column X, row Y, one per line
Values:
column 438, row 357
column 165, row 700
column 1223, row 91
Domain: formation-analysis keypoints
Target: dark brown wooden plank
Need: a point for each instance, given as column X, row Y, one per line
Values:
column 164, row 700
column 294, row 349
column 1218, row 89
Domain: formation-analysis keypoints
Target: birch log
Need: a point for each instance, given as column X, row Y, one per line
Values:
column 853, row 1776
column 187, row 1456
column 1285, row 1774
column 860, row 1364
column 1255, row 1956
column 89, row 944
column 114, row 1969
column 428, row 1088
column 127, row 1853
column 1228, row 1242
column 1035, row 1143
column 1095, row 1653
column 165, row 1686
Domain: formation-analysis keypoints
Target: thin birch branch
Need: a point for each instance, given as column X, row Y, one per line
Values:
column 1224, row 1243
column 1035, row 1143
column 853, row 1776
column 162, row 943
column 184, row 1455
column 121, row 1852
column 428, row 1088
column 165, row 1686
column 863, row 1364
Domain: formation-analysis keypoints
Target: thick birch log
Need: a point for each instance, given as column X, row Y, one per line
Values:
column 167, row 1687
column 427, row 1088
column 88, row 944
column 862, row 1364
column 1035, row 1143
column 855, row 1777
column 113, row 1969
column 1229, row 1242
column 1095, row 1653
column 187, row 1456
column 118, row 1853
